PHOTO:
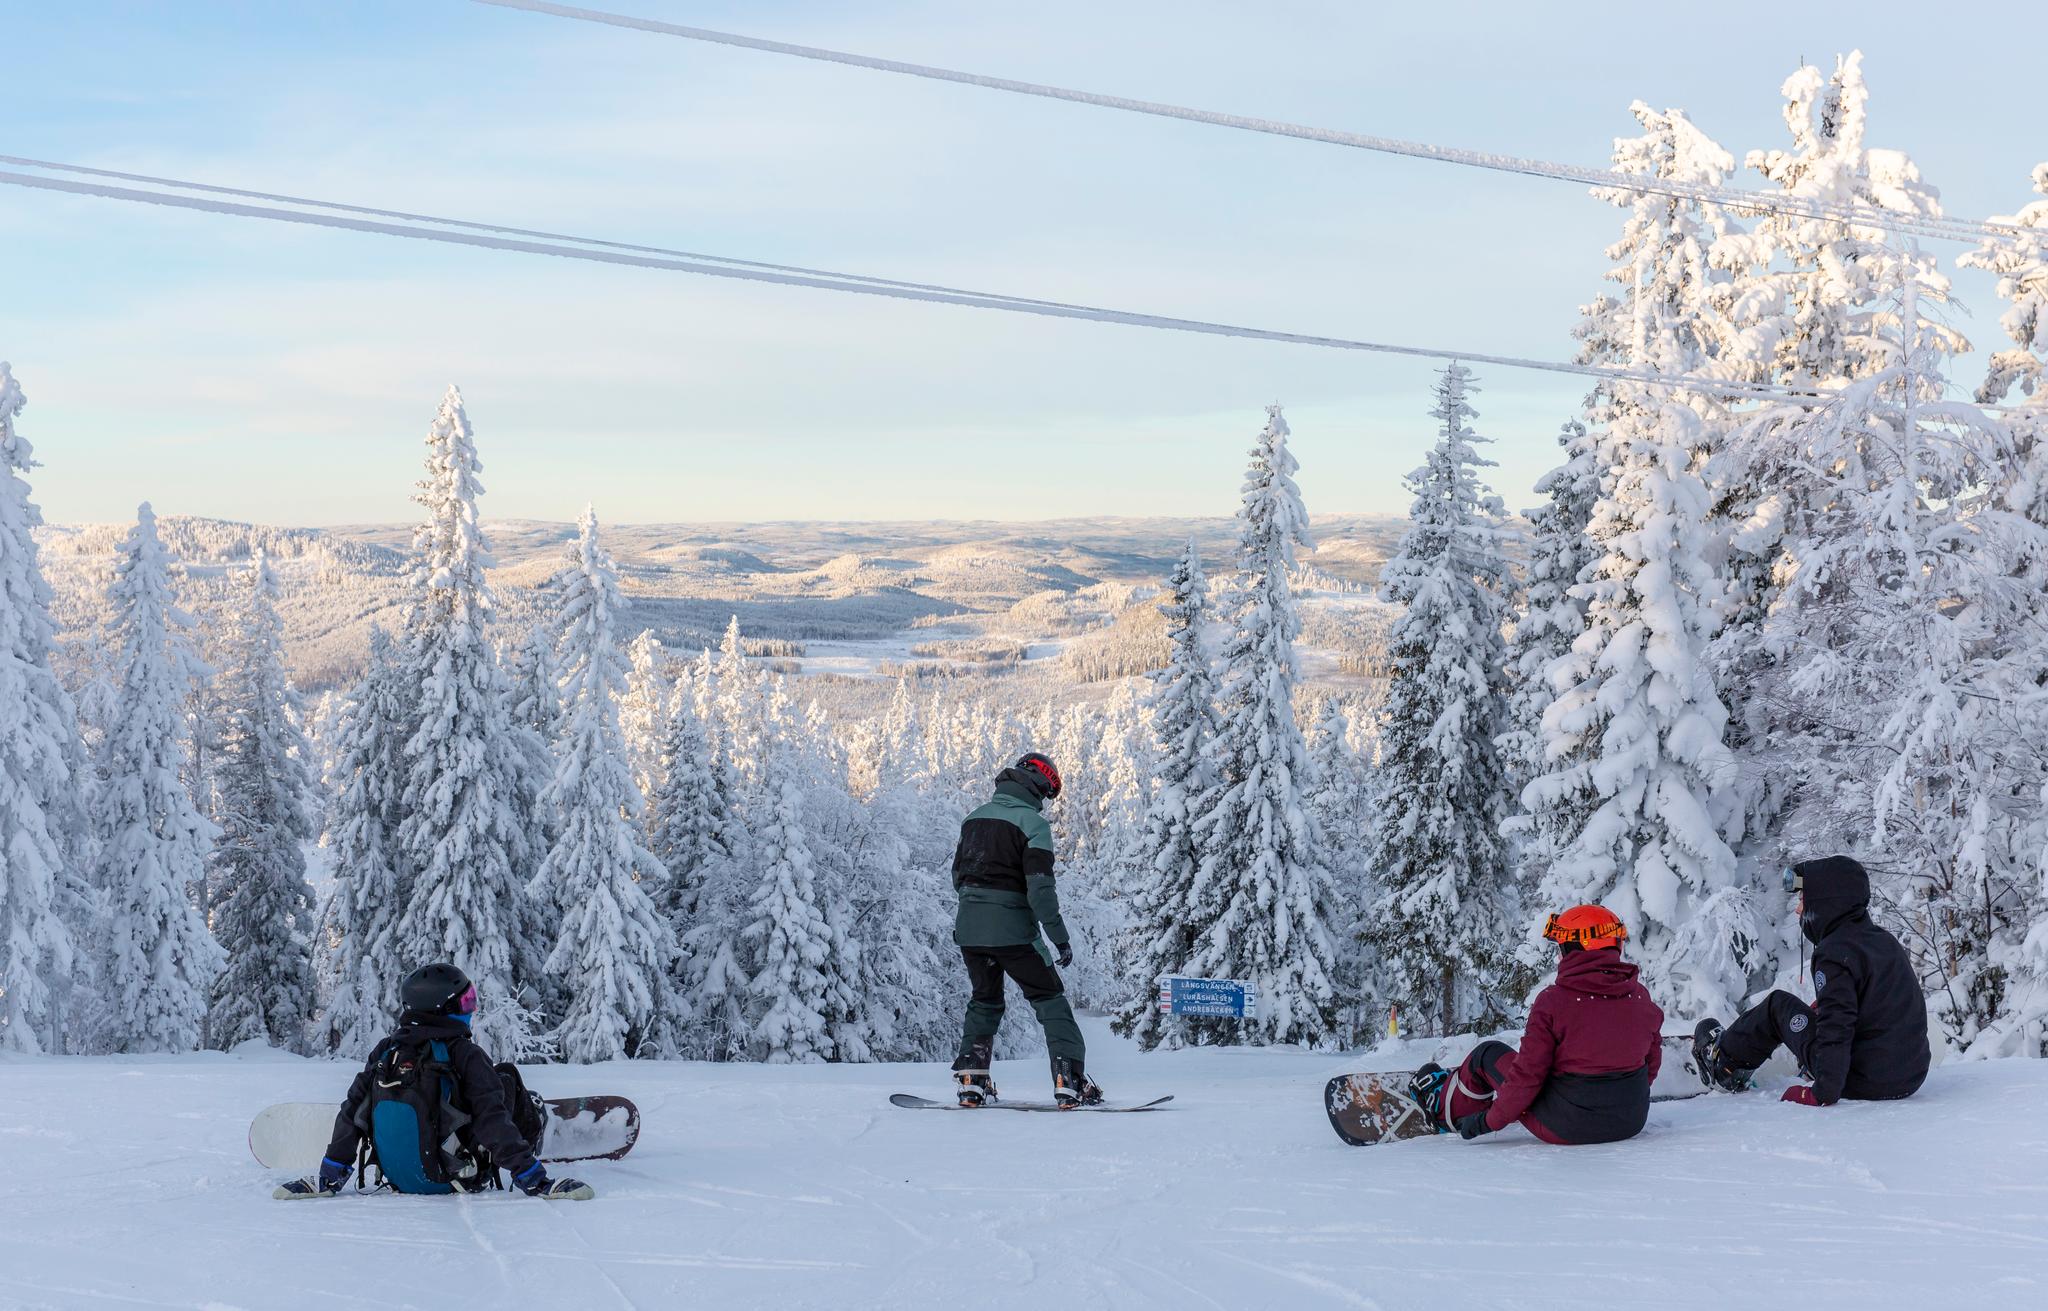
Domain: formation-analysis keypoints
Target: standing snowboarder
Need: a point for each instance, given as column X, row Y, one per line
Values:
column 1009, row 925
column 437, row 1114
column 1865, row 1035
column 1588, row 1056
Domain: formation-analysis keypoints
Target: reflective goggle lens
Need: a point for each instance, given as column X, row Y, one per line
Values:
column 466, row 1003
column 1793, row 883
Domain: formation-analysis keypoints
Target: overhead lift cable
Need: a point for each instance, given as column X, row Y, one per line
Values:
column 462, row 224
column 493, row 237
column 1930, row 226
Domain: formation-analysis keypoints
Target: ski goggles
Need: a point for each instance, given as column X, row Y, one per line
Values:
column 466, row 1003
column 1793, row 880
column 1557, row 930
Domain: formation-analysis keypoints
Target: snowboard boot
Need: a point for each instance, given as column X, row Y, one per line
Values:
column 1429, row 1088
column 1716, row 1070
column 971, row 1081
column 1071, row 1085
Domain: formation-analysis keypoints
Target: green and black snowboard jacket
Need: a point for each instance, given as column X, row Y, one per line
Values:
column 1002, row 870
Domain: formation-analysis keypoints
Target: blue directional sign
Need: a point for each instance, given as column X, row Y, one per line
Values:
column 1221, row 998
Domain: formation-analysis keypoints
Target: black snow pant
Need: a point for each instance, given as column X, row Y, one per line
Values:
column 1040, row 982
column 1780, row 1020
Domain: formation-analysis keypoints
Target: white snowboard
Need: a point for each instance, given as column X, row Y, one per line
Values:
column 292, row 1136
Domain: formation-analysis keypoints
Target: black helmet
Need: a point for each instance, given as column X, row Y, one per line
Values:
column 1040, row 773
column 437, row 989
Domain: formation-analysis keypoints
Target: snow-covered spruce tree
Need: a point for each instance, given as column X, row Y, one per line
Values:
column 1166, row 860
column 1551, row 618
column 802, row 1005
column 1337, row 795
column 885, row 890
column 691, row 816
column 152, row 841
column 739, row 703
column 462, row 836
column 1261, row 890
column 1805, row 305
column 370, row 878
column 614, row 952
column 1909, row 645
column 2021, row 263
column 900, row 914
column 1805, row 300
column 2014, row 919
column 1113, row 748
column 1437, row 930
column 534, row 678
column 715, row 968
column 41, row 775
column 1637, row 698
column 643, row 710
column 534, row 671
column 262, row 912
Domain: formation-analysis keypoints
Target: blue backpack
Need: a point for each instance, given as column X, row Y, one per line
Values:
column 410, row 1124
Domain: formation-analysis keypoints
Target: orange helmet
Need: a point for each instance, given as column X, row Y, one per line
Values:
column 1586, row 926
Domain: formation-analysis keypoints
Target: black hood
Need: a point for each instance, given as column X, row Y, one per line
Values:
column 1029, row 783
column 1837, row 891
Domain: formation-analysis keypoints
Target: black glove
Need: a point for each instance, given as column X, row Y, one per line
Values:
column 1066, row 954
column 1471, row 1126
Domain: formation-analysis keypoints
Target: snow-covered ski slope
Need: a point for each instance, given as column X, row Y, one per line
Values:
column 126, row 1182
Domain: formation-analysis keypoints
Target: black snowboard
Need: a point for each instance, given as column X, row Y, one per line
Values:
column 910, row 1102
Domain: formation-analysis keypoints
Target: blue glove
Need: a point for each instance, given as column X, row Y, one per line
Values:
column 333, row 1174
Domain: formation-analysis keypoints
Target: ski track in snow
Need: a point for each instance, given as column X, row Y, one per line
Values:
column 796, row 1187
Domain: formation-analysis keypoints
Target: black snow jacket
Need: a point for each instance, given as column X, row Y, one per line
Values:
column 479, row 1092
column 1869, row 1015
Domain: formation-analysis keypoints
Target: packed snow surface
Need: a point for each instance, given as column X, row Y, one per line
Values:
column 128, row 1182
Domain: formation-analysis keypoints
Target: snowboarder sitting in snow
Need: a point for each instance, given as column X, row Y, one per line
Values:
column 1865, row 1036
column 1587, row 1059
column 437, row 1116
column 1009, row 911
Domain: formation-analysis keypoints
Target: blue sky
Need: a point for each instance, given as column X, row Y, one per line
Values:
column 286, row 375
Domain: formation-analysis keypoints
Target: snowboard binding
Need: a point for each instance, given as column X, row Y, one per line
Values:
column 971, row 1081
column 1715, row 1069
column 1429, row 1088
column 1071, row 1086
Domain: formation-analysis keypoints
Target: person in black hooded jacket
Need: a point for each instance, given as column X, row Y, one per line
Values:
column 440, row 1002
column 1865, row 1035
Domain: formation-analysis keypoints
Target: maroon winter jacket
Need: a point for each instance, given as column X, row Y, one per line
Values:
column 1586, row 1063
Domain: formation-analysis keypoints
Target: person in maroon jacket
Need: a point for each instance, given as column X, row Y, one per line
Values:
column 1587, row 1059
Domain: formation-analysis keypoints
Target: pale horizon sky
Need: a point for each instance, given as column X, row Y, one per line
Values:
column 224, row 367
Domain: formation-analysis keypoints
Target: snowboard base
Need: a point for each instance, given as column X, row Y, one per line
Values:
column 293, row 1136
column 911, row 1102
column 1366, row 1109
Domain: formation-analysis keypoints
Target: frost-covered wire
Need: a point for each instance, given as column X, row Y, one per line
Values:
column 463, row 224
column 487, row 236
column 1917, row 225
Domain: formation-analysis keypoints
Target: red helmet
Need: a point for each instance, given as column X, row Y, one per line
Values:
column 1586, row 926
column 1041, row 765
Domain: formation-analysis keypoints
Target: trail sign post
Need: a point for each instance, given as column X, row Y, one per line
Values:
column 1231, row 999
